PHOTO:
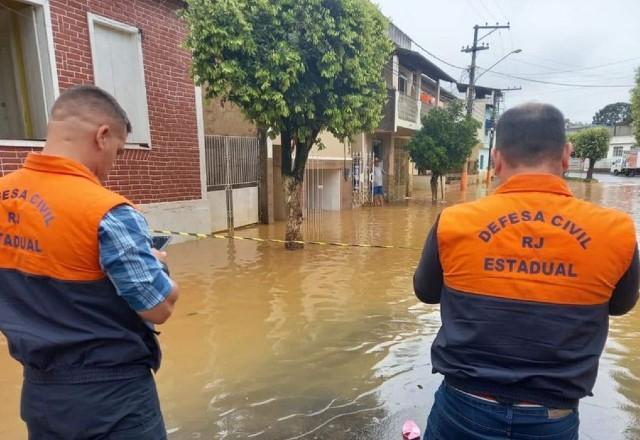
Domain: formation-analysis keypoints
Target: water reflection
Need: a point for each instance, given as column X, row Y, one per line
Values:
column 329, row 343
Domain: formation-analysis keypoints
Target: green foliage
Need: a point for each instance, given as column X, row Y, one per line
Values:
column 296, row 66
column 445, row 140
column 635, row 106
column 614, row 114
column 592, row 143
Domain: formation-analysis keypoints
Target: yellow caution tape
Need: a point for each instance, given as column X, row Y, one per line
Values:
column 274, row 240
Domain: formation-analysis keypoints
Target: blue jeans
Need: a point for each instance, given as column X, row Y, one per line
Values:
column 457, row 416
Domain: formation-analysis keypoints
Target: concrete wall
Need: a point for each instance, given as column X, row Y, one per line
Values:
column 203, row 216
column 226, row 120
column 217, row 203
column 331, row 194
column 362, row 143
column 422, row 185
column 245, row 208
column 334, row 148
column 190, row 216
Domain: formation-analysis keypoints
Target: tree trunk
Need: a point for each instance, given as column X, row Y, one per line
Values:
column 592, row 164
column 293, row 197
column 434, row 187
column 292, row 179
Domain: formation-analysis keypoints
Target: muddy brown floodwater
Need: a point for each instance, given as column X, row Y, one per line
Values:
column 329, row 343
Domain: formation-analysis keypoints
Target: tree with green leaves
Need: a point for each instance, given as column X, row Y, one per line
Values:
column 444, row 142
column 297, row 67
column 611, row 115
column 635, row 106
column 592, row 144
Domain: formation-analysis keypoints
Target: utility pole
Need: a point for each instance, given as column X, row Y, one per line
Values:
column 472, row 78
column 497, row 95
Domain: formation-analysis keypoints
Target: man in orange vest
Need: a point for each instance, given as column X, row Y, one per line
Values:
column 81, row 285
column 526, row 280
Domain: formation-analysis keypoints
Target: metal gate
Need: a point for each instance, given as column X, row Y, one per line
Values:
column 362, row 174
column 231, row 162
column 313, row 199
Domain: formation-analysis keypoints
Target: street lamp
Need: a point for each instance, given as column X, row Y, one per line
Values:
column 498, row 62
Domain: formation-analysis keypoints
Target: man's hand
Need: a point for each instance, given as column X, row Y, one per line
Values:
column 160, row 255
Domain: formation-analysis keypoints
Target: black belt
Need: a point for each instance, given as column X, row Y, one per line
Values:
column 84, row 375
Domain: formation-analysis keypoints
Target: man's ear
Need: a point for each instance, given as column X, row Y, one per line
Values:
column 101, row 137
column 498, row 161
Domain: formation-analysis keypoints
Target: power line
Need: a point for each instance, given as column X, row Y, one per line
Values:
column 477, row 11
column 533, row 80
column 522, row 78
column 582, row 69
column 435, row 56
column 568, row 90
column 497, row 3
column 488, row 10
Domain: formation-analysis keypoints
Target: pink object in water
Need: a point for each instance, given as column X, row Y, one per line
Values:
column 410, row 430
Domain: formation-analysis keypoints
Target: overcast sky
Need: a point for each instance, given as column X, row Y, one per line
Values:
column 556, row 36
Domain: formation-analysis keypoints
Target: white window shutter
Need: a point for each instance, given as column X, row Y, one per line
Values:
column 118, row 69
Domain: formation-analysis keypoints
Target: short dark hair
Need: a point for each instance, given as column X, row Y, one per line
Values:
column 531, row 133
column 79, row 99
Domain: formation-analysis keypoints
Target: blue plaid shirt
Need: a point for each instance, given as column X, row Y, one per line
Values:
column 126, row 258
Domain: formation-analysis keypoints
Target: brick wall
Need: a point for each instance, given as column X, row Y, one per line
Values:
column 170, row 171
column 11, row 158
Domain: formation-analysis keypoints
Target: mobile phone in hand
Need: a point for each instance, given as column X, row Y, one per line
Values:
column 160, row 242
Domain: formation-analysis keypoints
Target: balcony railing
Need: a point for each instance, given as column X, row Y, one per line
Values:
column 408, row 108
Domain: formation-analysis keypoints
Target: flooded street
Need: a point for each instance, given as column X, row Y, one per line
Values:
column 330, row 342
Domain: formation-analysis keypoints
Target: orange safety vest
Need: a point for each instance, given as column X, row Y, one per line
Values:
column 59, row 312
column 528, row 274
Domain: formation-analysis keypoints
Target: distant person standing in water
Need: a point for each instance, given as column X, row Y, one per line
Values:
column 526, row 280
column 378, row 183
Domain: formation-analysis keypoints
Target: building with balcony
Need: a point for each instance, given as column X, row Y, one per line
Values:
column 414, row 86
